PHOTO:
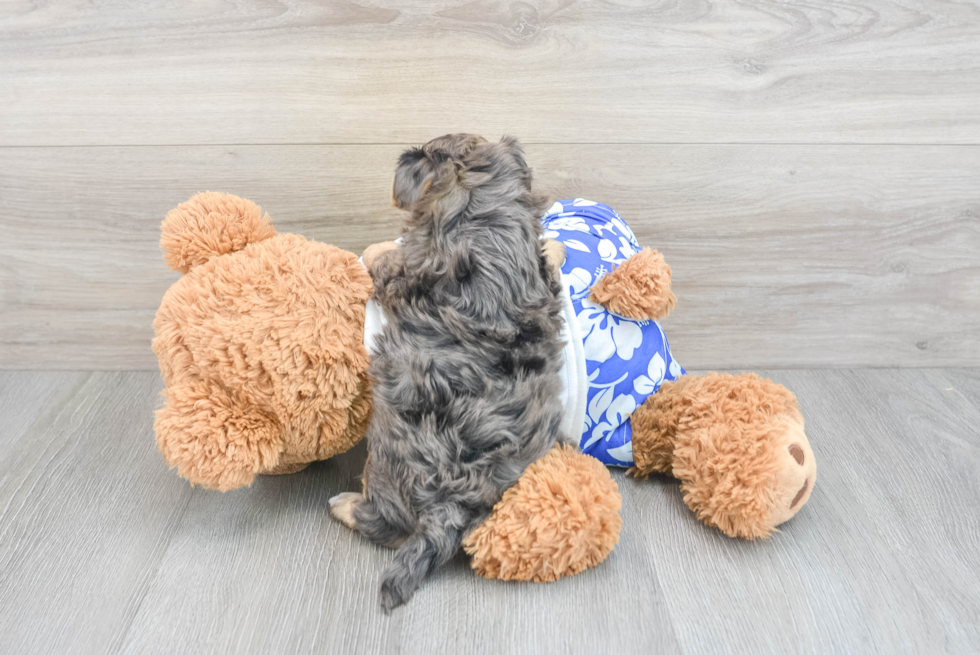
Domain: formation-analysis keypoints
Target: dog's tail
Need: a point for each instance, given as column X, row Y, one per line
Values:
column 418, row 556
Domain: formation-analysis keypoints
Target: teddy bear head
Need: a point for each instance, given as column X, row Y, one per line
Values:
column 260, row 345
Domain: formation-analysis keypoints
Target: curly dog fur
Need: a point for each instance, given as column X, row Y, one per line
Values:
column 466, row 392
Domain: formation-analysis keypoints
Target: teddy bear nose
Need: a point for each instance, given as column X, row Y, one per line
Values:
column 800, row 494
column 797, row 454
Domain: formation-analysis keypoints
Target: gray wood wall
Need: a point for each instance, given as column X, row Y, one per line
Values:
column 811, row 172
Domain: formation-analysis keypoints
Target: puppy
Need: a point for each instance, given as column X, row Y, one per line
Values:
column 465, row 370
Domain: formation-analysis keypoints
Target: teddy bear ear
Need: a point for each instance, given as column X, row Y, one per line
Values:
column 208, row 225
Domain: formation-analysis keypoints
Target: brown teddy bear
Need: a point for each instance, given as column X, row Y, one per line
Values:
column 261, row 348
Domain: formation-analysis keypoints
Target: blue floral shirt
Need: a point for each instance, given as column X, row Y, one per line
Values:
column 625, row 360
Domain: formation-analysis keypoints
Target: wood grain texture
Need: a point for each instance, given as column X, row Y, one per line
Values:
column 965, row 383
column 268, row 570
column 103, row 550
column 881, row 558
column 393, row 71
column 25, row 393
column 86, row 509
column 783, row 256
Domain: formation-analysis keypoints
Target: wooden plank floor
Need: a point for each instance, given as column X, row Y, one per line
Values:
column 103, row 550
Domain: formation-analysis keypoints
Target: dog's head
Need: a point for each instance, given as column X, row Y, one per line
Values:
column 442, row 176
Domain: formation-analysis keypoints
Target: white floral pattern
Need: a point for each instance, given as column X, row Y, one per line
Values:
column 607, row 334
column 626, row 360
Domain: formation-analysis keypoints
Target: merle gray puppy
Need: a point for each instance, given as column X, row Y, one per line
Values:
column 465, row 371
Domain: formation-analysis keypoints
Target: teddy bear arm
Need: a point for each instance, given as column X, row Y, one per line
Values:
column 214, row 437
column 639, row 288
column 560, row 518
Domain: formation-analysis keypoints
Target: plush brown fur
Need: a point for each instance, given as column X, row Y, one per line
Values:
column 561, row 518
column 639, row 288
column 554, row 254
column 737, row 445
column 199, row 229
column 736, row 442
column 260, row 345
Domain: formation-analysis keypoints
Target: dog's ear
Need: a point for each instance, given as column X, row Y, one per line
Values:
column 509, row 148
column 413, row 177
column 513, row 147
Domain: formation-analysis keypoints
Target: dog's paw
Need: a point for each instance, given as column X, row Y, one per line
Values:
column 342, row 508
column 375, row 250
